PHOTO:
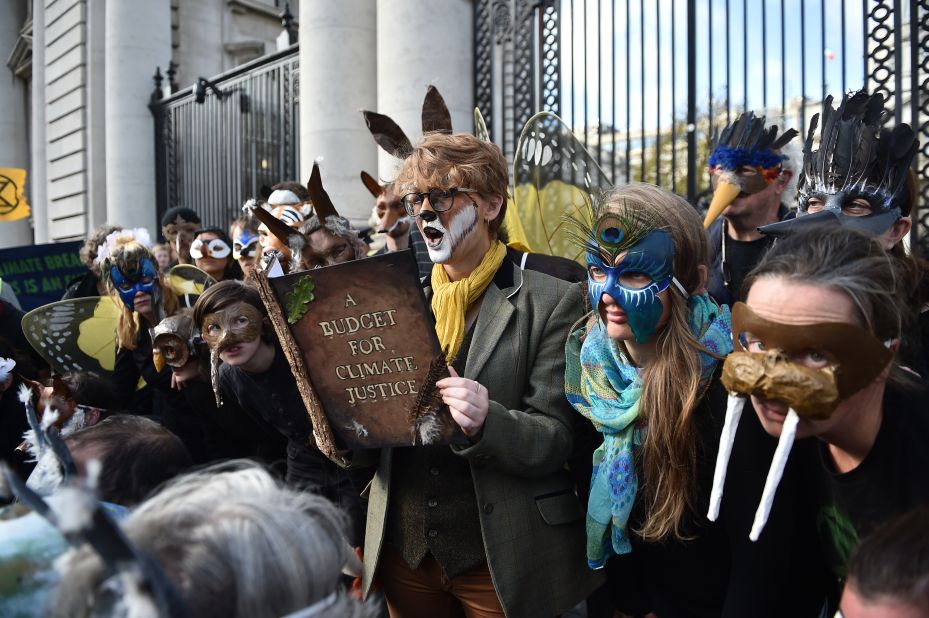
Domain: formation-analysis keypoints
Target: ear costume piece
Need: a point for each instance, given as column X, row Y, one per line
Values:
column 745, row 142
column 388, row 134
column 856, row 159
column 373, row 186
column 436, row 117
column 277, row 227
column 322, row 205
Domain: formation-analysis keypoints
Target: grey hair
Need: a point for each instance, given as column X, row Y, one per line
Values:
column 235, row 542
column 340, row 226
column 793, row 163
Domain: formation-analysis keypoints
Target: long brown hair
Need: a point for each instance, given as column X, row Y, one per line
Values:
column 671, row 386
column 128, row 323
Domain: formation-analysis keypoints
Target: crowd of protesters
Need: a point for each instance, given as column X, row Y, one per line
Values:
column 607, row 467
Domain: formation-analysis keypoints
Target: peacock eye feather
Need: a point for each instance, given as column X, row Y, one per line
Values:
column 608, row 231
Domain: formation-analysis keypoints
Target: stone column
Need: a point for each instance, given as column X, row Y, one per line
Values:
column 138, row 39
column 420, row 44
column 338, row 77
column 13, row 121
column 38, row 164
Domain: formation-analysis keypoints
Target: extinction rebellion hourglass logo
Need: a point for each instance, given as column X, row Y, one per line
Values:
column 12, row 201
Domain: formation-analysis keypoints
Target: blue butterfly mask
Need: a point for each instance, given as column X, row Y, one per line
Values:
column 651, row 257
column 143, row 279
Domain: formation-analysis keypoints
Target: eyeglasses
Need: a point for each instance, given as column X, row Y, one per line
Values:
column 439, row 199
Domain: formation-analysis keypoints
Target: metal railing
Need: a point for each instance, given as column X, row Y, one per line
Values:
column 216, row 147
column 645, row 83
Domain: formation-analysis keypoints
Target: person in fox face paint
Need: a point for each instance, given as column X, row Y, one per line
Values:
column 502, row 332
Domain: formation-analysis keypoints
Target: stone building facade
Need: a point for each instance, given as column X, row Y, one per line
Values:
column 80, row 75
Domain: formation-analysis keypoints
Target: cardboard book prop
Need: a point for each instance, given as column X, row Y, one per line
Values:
column 365, row 354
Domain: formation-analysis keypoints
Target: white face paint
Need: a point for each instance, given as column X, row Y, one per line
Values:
column 442, row 248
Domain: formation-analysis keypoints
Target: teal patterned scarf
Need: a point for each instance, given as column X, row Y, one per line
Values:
column 603, row 385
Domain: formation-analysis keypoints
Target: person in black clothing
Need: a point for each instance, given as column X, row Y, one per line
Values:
column 229, row 432
column 752, row 171
column 144, row 299
column 644, row 368
column 873, row 190
column 819, row 333
column 255, row 374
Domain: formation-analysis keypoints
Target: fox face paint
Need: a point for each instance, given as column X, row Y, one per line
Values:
column 761, row 365
column 130, row 279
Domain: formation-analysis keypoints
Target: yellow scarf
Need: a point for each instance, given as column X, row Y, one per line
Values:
column 451, row 299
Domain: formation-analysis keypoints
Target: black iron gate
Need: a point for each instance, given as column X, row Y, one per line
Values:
column 644, row 83
column 219, row 141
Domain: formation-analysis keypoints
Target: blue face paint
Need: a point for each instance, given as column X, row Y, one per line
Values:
column 129, row 284
column 653, row 256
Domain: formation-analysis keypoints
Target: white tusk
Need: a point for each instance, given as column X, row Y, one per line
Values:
column 734, row 406
column 784, row 444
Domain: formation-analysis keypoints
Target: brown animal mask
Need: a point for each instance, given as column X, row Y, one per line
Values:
column 858, row 355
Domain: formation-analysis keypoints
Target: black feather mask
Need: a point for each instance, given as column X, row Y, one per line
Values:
column 856, row 155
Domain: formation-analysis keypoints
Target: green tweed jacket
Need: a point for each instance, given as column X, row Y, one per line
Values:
column 532, row 522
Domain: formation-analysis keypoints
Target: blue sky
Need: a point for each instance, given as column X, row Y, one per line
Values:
column 658, row 110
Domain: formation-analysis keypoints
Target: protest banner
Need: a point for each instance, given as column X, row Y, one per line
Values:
column 39, row 274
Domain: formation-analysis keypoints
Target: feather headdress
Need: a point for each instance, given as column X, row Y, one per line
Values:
column 747, row 142
column 855, row 153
